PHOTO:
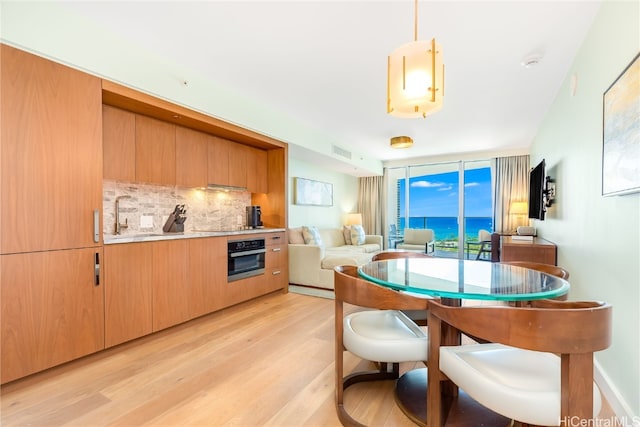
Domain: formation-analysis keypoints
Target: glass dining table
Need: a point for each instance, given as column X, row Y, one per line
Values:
column 454, row 281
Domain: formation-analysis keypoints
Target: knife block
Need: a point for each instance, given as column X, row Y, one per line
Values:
column 172, row 226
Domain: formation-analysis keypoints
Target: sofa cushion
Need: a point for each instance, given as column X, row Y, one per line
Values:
column 332, row 237
column 366, row 248
column 357, row 235
column 295, row 236
column 311, row 236
column 346, row 232
column 331, row 261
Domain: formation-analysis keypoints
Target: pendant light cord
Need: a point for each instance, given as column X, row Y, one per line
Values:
column 415, row 22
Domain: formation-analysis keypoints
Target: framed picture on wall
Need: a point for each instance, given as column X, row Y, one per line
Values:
column 312, row 193
column 621, row 133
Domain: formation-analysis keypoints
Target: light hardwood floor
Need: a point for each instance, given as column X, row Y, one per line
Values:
column 265, row 362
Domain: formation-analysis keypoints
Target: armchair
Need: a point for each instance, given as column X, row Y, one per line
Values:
column 418, row 239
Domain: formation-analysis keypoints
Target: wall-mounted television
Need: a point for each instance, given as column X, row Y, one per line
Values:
column 537, row 191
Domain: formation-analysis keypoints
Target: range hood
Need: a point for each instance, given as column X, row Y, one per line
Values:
column 225, row 187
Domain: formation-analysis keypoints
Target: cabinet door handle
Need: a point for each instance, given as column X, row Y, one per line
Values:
column 276, row 249
column 96, row 269
column 275, row 237
column 275, row 273
column 96, row 226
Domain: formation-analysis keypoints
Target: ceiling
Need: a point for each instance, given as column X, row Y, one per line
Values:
column 323, row 63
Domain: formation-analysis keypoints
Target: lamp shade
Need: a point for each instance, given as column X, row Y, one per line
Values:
column 354, row 219
column 415, row 79
column 519, row 208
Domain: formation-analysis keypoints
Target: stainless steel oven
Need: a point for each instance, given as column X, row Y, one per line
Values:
column 245, row 258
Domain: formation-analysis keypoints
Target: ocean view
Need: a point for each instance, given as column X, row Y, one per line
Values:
column 446, row 228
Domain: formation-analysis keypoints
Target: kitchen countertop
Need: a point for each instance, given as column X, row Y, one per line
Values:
column 110, row 239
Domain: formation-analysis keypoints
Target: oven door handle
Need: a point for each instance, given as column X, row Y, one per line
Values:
column 245, row 253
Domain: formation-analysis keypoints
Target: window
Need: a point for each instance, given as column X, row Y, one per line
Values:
column 432, row 196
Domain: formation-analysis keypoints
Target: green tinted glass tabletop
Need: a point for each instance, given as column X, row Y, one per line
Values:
column 452, row 278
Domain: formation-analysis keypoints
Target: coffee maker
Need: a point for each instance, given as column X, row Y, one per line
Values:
column 253, row 217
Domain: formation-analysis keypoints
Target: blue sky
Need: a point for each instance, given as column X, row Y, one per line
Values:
column 437, row 195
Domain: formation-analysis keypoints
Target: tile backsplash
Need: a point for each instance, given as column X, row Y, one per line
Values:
column 206, row 209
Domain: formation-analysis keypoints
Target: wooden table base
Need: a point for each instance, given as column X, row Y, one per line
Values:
column 411, row 397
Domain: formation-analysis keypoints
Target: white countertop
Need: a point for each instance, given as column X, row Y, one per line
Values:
column 110, row 239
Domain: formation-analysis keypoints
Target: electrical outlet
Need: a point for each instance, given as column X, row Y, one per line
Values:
column 239, row 219
column 146, row 221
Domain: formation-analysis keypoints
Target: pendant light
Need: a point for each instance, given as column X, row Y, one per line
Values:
column 415, row 77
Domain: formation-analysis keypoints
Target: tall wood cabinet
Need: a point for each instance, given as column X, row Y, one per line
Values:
column 51, row 154
column 52, row 298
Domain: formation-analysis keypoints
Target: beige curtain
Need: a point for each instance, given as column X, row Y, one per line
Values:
column 370, row 203
column 511, row 184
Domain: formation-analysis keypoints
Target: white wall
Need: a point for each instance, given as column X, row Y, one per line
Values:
column 598, row 237
column 345, row 197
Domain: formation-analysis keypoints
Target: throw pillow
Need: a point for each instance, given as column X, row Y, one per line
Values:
column 295, row 236
column 357, row 235
column 346, row 232
column 311, row 236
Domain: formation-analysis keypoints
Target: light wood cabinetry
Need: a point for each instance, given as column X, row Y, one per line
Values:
column 170, row 279
column 51, row 145
column 218, row 155
column 119, row 144
column 277, row 261
column 256, row 170
column 538, row 250
column 207, row 274
column 52, row 309
column 128, row 292
column 155, row 151
column 51, row 203
column 192, row 148
column 275, row 276
column 238, row 155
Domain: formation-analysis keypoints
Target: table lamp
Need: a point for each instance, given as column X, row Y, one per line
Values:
column 354, row 219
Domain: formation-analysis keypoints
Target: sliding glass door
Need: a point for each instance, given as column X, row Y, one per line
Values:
column 452, row 199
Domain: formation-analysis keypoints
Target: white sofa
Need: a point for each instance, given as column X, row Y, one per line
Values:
column 312, row 265
column 418, row 239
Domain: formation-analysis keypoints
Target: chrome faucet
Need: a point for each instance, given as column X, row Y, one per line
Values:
column 119, row 226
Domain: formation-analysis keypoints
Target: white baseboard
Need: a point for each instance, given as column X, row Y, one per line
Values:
column 315, row 292
column 619, row 406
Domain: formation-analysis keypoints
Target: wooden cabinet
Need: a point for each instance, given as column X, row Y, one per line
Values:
column 51, row 144
column 238, row 154
column 218, row 164
column 128, row 292
column 537, row 250
column 207, row 274
column 119, row 144
column 155, row 151
column 256, row 170
column 275, row 277
column 192, row 148
column 52, row 309
column 277, row 258
column 170, row 283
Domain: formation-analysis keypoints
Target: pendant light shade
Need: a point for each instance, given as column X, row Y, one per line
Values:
column 415, row 77
column 401, row 142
